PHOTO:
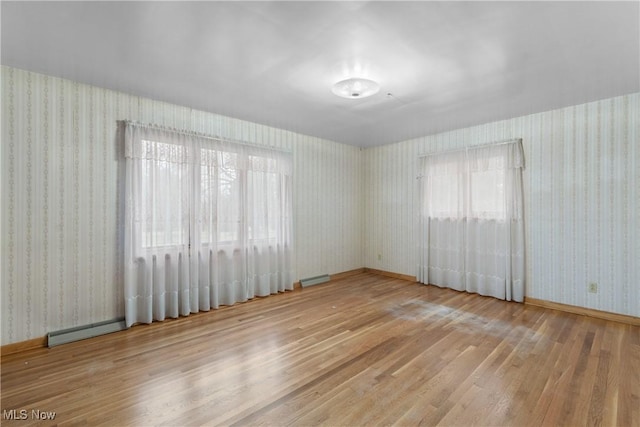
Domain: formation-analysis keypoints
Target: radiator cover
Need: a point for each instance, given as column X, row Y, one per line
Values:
column 314, row 280
column 83, row 332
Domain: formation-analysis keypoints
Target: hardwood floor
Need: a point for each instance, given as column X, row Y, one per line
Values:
column 365, row 350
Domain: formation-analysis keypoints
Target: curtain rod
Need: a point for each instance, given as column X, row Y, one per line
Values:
column 203, row 135
column 488, row 144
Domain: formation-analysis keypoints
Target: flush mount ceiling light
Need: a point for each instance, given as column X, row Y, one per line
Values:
column 355, row 88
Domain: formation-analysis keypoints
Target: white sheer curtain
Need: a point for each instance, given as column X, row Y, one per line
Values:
column 207, row 223
column 471, row 229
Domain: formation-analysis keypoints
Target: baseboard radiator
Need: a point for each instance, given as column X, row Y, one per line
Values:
column 83, row 332
column 314, row 280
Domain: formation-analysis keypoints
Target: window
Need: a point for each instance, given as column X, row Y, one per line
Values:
column 471, row 233
column 208, row 222
column 162, row 220
column 225, row 211
column 220, row 196
column 486, row 195
column 455, row 189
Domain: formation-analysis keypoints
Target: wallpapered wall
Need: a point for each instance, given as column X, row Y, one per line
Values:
column 582, row 201
column 62, row 205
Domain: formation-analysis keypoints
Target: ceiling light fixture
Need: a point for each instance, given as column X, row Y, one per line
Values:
column 355, row 88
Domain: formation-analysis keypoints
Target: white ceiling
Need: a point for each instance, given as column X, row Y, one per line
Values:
column 447, row 64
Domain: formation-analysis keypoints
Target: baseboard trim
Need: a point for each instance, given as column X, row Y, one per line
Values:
column 590, row 312
column 347, row 274
column 41, row 342
column 19, row 347
column 391, row 274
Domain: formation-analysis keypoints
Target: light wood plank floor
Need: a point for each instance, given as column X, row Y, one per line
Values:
column 365, row 350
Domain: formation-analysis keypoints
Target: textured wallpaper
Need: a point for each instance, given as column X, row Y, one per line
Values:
column 582, row 201
column 62, row 206
column 62, row 199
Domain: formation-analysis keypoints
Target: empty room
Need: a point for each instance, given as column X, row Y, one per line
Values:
column 320, row 213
